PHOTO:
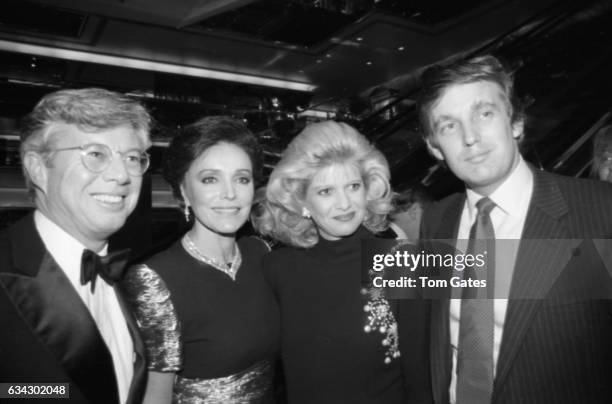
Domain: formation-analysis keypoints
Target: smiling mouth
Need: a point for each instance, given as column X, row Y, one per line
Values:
column 345, row 217
column 109, row 198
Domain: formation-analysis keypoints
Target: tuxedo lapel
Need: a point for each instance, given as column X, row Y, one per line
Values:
column 440, row 348
column 140, row 372
column 50, row 306
column 543, row 253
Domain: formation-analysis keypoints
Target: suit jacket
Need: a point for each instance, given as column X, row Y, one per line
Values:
column 48, row 334
column 557, row 347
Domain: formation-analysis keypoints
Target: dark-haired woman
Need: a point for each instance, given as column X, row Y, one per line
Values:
column 205, row 296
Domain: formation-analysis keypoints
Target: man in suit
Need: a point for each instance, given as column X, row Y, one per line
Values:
column 63, row 321
column 547, row 335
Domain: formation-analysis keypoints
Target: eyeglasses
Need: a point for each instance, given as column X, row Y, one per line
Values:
column 98, row 157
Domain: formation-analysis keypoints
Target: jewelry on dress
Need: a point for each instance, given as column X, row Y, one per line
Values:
column 230, row 269
column 381, row 318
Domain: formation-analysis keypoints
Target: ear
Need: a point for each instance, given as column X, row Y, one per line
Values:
column 517, row 128
column 37, row 170
column 433, row 149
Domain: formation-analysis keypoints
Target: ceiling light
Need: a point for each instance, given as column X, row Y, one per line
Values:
column 122, row 61
column 369, row 63
column 359, row 39
column 33, row 83
column 400, row 48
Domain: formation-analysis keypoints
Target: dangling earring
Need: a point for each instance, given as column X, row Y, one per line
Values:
column 305, row 213
column 186, row 213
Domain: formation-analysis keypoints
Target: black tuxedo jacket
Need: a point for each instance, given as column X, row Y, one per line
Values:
column 48, row 335
column 556, row 348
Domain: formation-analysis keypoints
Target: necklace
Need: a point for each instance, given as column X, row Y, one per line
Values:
column 230, row 269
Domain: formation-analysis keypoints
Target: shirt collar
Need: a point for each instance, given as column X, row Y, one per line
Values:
column 512, row 196
column 65, row 249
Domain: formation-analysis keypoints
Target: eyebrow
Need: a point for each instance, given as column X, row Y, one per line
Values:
column 475, row 106
column 112, row 149
column 482, row 104
column 135, row 150
column 217, row 170
column 328, row 185
column 439, row 120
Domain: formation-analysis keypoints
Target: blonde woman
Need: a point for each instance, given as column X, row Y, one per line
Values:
column 329, row 191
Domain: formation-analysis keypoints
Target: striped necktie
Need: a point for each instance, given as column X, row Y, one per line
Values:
column 475, row 347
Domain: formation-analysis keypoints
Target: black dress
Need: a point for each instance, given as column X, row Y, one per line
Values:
column 228, row 328
column 327, row 355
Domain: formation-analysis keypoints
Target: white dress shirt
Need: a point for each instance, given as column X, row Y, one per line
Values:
column 512, row 199
column 102, row 304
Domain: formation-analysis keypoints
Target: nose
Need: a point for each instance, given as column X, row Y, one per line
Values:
column 471, row 134
column 228, row 190
column 343, row 201
column 117, row 171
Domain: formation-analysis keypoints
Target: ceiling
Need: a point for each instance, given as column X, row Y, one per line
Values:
column 334, row 48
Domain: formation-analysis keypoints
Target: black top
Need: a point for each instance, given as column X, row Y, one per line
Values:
column 226, row 325
column 327, row 356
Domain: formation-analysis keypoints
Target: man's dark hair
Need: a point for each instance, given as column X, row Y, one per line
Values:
column 436, row 79
column 404, row 200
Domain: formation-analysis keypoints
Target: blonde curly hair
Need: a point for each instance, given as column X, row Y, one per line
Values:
column 278, row 207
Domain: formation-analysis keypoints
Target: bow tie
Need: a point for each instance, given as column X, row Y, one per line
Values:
column 109, row 267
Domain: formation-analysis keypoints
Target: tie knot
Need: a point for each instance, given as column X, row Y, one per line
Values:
column 110, row 267
column 485, row 206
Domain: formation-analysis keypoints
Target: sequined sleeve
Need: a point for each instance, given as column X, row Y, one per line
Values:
column 150, row 301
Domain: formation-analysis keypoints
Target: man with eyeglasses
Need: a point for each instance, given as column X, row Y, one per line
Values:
column 63, row 320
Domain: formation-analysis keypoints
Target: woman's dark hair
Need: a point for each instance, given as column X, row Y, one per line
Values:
column 194, row 139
